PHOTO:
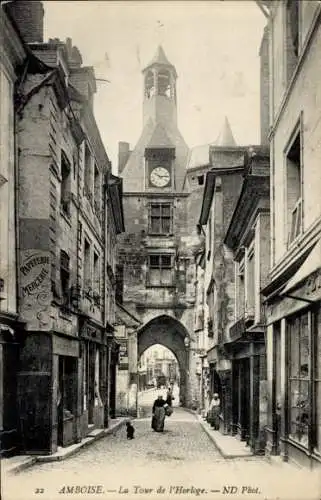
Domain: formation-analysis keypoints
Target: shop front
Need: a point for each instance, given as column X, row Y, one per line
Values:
column 48, row 391
column 66, row 390
column 94, row 376
column 113, row 350
column 294, row 366
column 11, row 338
column 246, row 349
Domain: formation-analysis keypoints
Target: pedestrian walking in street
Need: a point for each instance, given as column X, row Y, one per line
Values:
column 130, row 429
column 158, row 418
column 169, row 397
column 214, row 412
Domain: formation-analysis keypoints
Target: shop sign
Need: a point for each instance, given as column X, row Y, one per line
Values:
column 123, row 355
column 65, row 347
column 35, row 288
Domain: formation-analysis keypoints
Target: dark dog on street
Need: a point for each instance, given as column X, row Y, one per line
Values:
column 130, row 430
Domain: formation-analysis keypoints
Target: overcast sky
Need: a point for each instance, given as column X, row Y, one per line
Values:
column 214, row 46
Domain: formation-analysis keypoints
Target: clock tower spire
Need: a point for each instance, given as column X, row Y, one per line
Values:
column 160, row 101
column 158, row 162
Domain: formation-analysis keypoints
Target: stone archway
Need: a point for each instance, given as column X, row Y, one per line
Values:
column 170, row 333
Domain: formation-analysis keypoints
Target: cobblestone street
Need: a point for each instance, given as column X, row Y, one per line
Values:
column 182, row 460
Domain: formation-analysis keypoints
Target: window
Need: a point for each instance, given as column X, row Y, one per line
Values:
column 200, row 179
column 292, row 36
column 65, row 184
column 160, row 270
column 209, row 236
column 88, row 173
column 160, row 218
column 294, row 189
column 64, row 273
column 119, row 283
column 240, row 290
column 317, row 382
column 299, row 374
column 97, row 191
column 96, row 274
column 250, row 286
column 87, row 269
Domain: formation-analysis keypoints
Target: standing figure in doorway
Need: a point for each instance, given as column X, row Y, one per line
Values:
column 158, row 418
column 214, row 412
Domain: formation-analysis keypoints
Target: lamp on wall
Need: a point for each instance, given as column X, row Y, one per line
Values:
column 186, row 341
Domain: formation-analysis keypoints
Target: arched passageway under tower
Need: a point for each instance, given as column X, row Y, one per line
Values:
column 170, row 333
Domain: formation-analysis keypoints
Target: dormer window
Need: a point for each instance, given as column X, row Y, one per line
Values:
column 200, row 179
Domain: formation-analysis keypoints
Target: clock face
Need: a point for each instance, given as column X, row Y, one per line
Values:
column 160, row 177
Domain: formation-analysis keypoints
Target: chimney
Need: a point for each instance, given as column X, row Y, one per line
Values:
column 264, row 87
column 28, row 16
column 123, row 155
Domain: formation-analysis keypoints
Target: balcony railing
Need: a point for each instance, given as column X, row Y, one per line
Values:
column 238, row 329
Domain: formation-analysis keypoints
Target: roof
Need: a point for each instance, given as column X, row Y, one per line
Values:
column 123, row 316
column 200, row 155
column 225, row 137
column 115, row 185
column 159, row 59
column 159, row 139
column 254, row 188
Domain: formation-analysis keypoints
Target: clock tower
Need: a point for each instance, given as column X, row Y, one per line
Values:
column 158, row 162
column 155, row 254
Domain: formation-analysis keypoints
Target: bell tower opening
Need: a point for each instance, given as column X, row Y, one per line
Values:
column 164, row 84
column 150, row 88
column 160, row 91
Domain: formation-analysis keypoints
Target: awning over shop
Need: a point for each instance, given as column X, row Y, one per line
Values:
column 311, row 264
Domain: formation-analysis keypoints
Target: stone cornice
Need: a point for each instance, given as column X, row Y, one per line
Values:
column 143, row 194
column 295, row 253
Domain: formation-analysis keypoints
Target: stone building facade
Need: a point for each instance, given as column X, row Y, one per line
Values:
column 248, row 236
column 156, row 254
column 222, row 187
column 69, row 211
column 12, row 55
column 293, row 292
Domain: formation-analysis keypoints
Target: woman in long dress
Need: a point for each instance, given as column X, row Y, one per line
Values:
column 158, row 418
column 214, row 412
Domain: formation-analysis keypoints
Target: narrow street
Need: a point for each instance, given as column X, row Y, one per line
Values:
column 182, row 460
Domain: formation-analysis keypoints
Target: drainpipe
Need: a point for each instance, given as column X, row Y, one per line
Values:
column 105, row 311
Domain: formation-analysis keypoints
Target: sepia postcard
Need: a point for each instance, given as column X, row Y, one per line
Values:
column 160, row 250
